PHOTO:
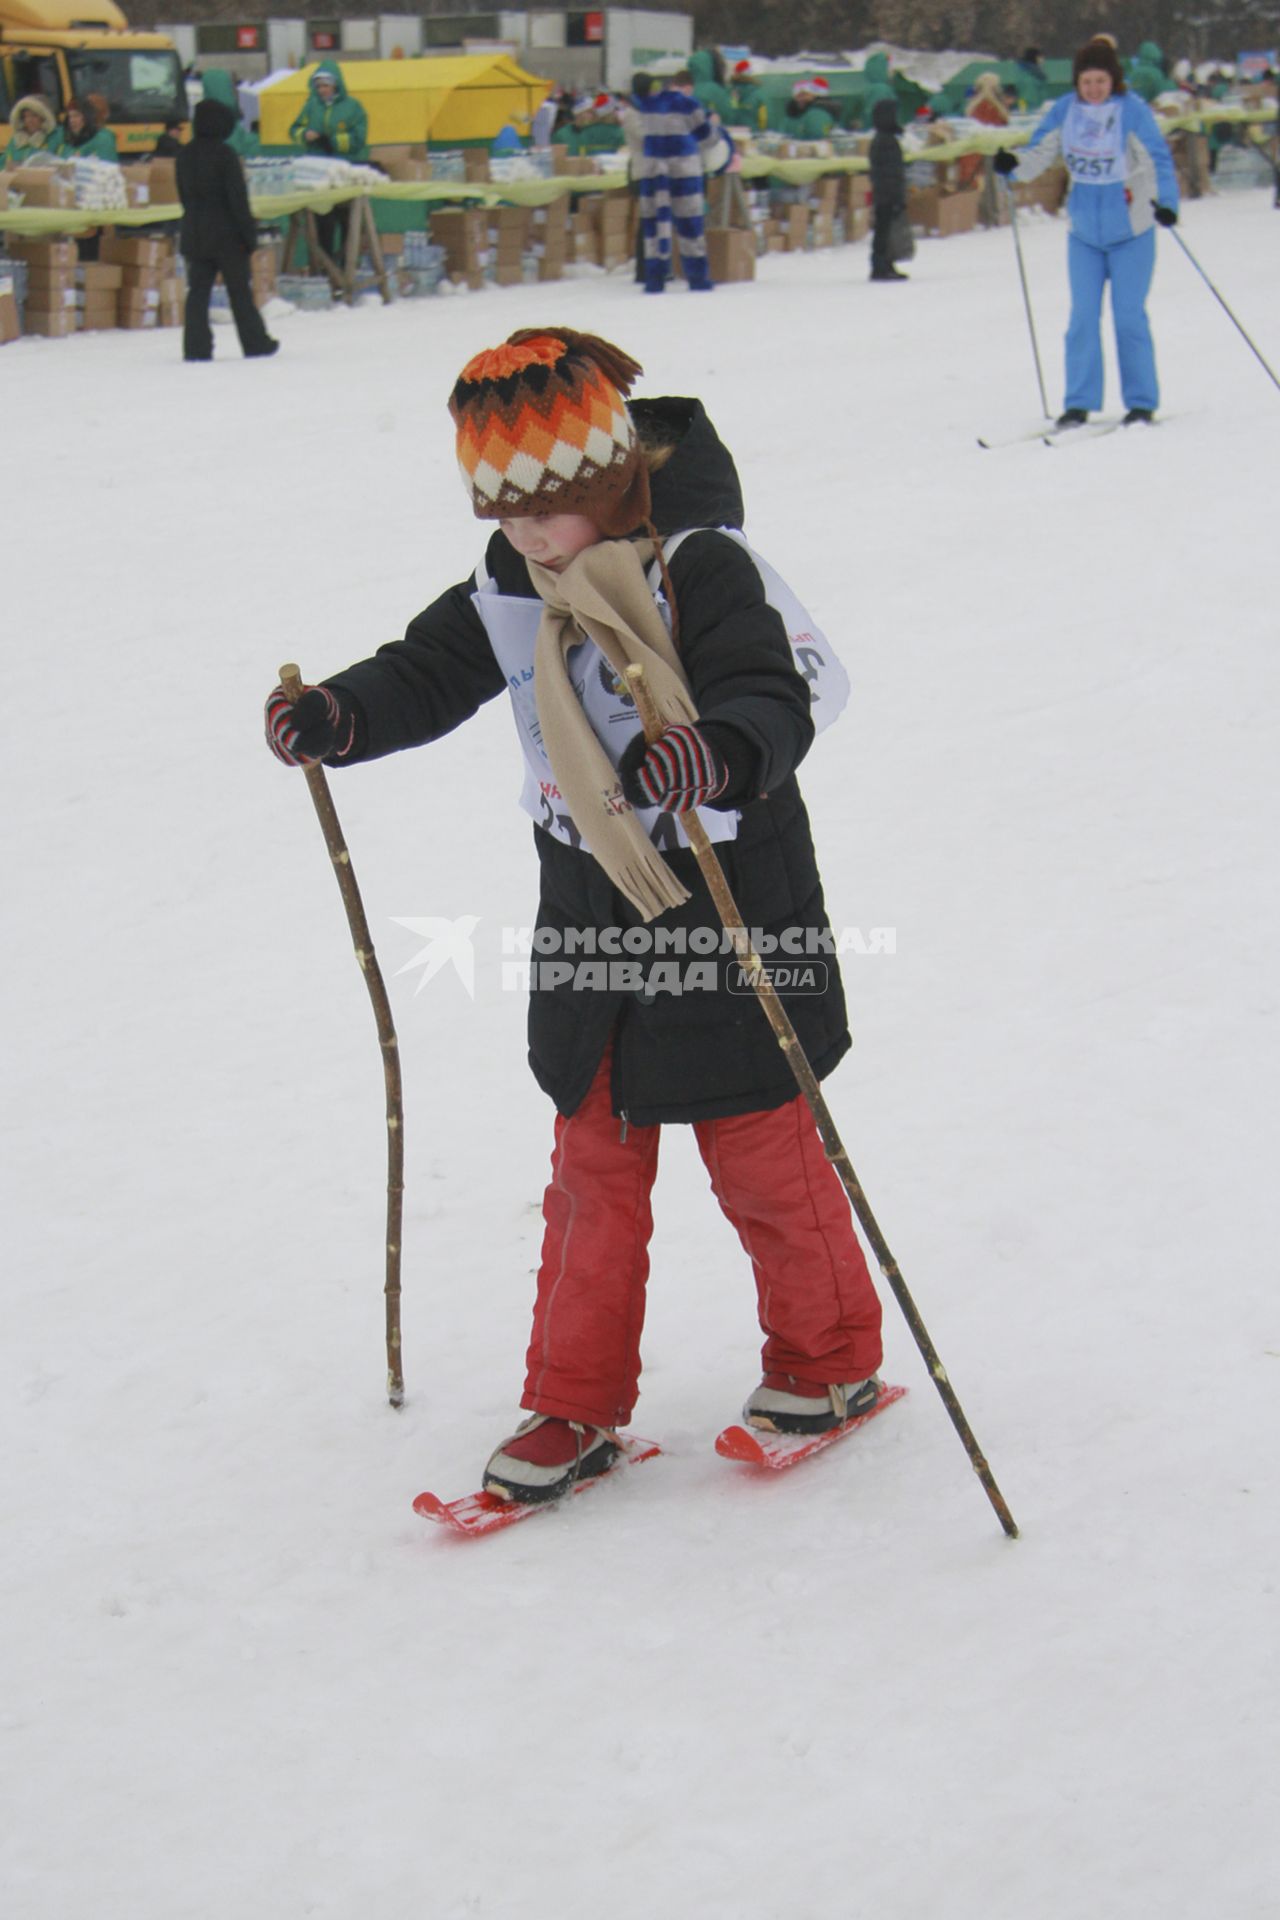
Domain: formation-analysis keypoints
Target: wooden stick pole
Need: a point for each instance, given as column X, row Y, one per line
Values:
column 318, row 787
column 779, row 1020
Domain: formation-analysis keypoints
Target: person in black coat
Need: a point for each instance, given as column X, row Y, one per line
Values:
column 621, row 1055
column 888, row 188
column 218, row 235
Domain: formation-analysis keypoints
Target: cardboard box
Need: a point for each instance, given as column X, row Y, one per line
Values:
column 50, row 281
column 795, row 228
column 509, row 223
column 922, row 207
column 43, row 253
column 137, row 301
column 958, row 212
column 551, row 268
column 475, row 163
column 98, row 277
column 130, row 320
column 50, row 298
column 731, row 254
column 162, row 178
column 43, row 187
column 100, row 312
column 4, row 190
column 392, row 245
column 141, row 277
column 509, row 273
column 9, row 327
column 56, row 323
column 117, row 251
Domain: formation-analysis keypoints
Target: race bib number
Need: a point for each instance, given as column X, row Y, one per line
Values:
column 1093, row 144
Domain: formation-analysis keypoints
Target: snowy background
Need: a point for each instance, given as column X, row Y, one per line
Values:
column 242, row 1678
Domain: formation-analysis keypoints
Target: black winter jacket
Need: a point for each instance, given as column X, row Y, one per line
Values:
column 696, row 1055
column 888, row 170
column 215, row 201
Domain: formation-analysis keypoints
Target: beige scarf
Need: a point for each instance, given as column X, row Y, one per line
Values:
column 604, row 594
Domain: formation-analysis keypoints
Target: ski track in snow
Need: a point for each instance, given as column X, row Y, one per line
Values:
column 242, row 1677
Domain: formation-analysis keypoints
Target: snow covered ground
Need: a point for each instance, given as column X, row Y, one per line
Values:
column 242, row 1677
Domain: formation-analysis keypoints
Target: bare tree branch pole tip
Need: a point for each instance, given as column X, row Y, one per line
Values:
column 292, row 684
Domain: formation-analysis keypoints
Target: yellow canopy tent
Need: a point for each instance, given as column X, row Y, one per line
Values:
column 446, row 101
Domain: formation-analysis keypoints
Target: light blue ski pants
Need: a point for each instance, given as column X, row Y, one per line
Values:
column 1128, row 266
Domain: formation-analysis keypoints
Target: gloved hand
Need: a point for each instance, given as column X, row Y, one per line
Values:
column 319, row 725
column 1005, row 162
column 682, row 769
column 1167, row 216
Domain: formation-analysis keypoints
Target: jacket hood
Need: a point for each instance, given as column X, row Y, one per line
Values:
column 33, row 103
column 213, row 120
column 884, row 116
column 877, row 68
column 218, row 85
column 698, row 486
column 1150, row 54
column 334, row 73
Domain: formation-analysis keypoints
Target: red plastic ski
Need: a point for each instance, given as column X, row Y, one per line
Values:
column 488, row 1512
column 778, row 1451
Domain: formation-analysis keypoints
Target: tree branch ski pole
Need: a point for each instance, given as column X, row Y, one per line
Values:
column 1026, row 300
column 1222, row 303
column 318, row 787
column 779, row 1020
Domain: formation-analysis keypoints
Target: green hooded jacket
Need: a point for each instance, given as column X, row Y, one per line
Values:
column 343, row 123
column 877, row 86
column 101, row 145
column 218, row 85
column 1147, row 76
column 747, row 107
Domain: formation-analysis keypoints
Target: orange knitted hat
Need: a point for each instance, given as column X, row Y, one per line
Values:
column 543, row 428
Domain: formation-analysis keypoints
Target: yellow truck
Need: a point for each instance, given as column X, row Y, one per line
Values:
column 58, row 48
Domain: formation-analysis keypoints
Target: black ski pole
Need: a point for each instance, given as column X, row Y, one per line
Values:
column 1026, row 299
column 1222, row 303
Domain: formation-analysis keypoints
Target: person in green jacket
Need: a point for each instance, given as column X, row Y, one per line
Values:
column 1146, row 72
column 707, row 69
column 334, row 122
column 747, row 106
column 876, row 86
column 596, row 127
column 33, row 129
column 218, row 85
column 80, row 137
column 807, row 116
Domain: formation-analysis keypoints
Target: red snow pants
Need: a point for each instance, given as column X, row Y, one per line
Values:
column 818, row 1309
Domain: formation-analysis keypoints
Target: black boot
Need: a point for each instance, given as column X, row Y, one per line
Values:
column 1073, row 417
column 1144, row 415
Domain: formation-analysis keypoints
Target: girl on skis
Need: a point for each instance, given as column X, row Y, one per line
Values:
column 1122, row 177
column 618, row 542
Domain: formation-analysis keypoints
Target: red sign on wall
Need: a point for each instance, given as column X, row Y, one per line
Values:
column 324, row 42
column 247, row 39
column 593, row 24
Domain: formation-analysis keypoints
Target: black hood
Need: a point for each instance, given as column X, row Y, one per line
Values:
column 698, row 486
column 884, row 116
column 213, row 120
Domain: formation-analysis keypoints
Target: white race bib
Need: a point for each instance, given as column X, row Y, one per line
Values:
column 512, row 626
column 1093, row 143
column 815, row 657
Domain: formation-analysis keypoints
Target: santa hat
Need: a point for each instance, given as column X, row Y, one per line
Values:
column 817, row 85
column 543, row 427
column 741, row 68
column 602, row 102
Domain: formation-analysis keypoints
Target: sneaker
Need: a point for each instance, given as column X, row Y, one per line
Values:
column 545, row 1457
column 783, row 1404
column 1073, row 417
column 1146, row 415
column 888, row 273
